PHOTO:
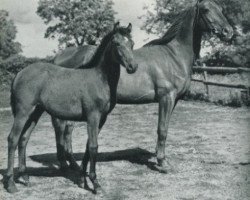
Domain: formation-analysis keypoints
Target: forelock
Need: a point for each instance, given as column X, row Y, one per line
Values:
column 124, row 32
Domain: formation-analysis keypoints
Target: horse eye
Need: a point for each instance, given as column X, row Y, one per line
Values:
column 132, row 44
column 205, row 10
column 117, row 43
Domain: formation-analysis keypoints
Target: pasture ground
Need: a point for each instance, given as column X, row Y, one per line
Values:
column 208, row 148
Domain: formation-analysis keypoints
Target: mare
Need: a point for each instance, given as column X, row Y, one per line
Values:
column 87, row 93
column 165, row 68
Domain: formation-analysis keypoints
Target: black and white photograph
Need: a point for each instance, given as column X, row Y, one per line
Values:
column 125, row 99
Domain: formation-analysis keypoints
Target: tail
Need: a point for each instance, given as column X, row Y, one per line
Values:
column 12, row 98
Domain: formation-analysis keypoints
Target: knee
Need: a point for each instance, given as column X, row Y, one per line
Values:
column 162, row 133
column 12, row 143
column 162, row 130
column 92, row 176
column 22, row 141
column 93, row 149
column 70, row 127
column 11, row 140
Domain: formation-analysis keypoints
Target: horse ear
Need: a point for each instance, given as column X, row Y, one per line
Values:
column 198, row 2
column 129, row 27
column 117, row 25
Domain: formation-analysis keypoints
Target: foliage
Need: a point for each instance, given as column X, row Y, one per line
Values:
column 8, row 32
column 16, row 63
column 158, row 20
column 237, row 12
column 235, row 55
column 76, row 22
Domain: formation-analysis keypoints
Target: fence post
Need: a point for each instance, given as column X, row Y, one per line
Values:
column 205, row 79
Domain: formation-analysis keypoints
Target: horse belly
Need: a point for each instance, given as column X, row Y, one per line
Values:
column 67, row 107
column 135, row 89
column 67, row 113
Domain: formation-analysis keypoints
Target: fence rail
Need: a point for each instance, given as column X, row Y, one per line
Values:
column 221, row 69
column 204, row 69
column 239, row 86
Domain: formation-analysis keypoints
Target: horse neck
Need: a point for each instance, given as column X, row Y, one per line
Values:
column 109, row 69
column 186, row 31
column 197, row 41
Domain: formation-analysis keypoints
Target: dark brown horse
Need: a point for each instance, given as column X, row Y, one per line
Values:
column 165, row 68
column 70, row 94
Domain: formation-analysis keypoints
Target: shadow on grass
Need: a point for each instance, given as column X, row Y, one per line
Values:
column 135, row 155
column 49, row 160
column 49, row 171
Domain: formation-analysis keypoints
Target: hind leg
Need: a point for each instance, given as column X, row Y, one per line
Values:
column 13, row 138
column 22, row 144
column 68, row 146
column 59, row 127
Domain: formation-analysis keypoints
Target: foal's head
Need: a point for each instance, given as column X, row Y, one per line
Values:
column 122, row 46
column 211, row 19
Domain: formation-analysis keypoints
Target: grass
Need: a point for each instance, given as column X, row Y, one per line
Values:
column 207, row 149
column 220, row 95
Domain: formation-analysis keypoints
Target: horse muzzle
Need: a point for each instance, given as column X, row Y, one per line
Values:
column 131, row 68
column 227, row 34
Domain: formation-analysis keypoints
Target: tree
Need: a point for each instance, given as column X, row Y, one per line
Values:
column 235, row 55
column 165, row 11
column 8, row 32
column 238, row 13
column 76, row 22
column 158, row 20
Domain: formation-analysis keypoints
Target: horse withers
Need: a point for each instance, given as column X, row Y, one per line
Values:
column 84, row 94
column 165, row 68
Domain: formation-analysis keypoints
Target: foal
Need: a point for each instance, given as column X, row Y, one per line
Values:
column 84, row 94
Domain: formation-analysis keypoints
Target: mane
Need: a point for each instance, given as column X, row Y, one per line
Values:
column 173, row 30
column 100, row 49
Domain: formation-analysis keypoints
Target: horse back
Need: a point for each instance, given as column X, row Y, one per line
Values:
column 73, row 57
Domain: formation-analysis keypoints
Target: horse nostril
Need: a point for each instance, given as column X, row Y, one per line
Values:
column 225, row 31
column 214, row 30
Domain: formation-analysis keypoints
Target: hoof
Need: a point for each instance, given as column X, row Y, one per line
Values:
column 10, row 186
column 163, row 166
column 97, row 187
column 98, row 190
column 24, row 179
column 161, row 169
column 83, row 183
column 12, row 189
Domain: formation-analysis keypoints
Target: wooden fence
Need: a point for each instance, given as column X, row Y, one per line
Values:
column 204, row 69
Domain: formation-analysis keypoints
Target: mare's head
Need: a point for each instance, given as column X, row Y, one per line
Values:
column 122, row 47
column 211, row 19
